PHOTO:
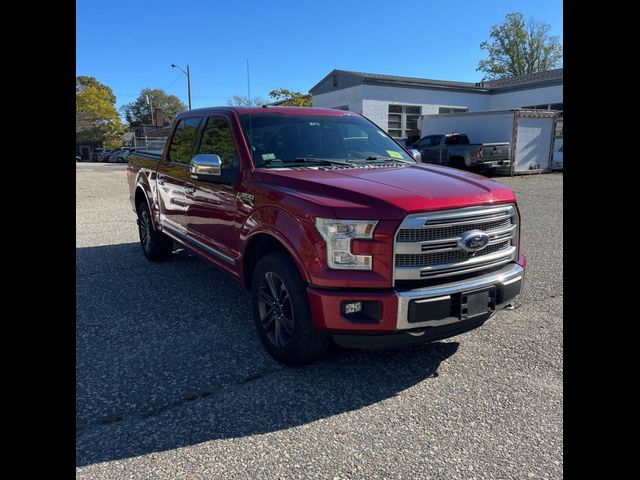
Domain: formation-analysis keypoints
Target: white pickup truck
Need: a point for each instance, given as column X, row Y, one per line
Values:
column 455, row 150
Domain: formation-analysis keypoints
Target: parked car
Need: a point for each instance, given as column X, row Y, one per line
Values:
column 119, row 155
column 337, row 232
column 455, row 150
column 104, row 155
column 95, row 155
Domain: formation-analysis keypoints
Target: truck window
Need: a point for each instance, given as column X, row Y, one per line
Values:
column 217, row 139
column 277, row 139
column 424, row 142
column 184, row 139
column 456, row 140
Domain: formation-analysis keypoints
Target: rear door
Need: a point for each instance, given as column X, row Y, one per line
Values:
column 533, row 143
column 212, row 208
column 174, row 181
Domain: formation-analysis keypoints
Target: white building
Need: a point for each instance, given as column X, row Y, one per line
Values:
column 395, row 103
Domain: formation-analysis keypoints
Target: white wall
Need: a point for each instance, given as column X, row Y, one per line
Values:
column 351, row 96
column 524, row 98
column 377, row 99
column 373, row 101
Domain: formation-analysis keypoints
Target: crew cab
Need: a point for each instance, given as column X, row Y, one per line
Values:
column 455, row 150
column 338, row 232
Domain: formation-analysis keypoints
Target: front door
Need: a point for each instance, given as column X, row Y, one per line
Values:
column 174, row 181
column 212, row 206
column 431, row 150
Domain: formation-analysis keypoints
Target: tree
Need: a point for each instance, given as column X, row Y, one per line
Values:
column 96, row 115
column 137, row 113
column 518, row 47
column 290, row 97
column 240, row 100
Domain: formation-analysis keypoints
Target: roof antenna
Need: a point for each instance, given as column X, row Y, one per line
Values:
column 250, row 126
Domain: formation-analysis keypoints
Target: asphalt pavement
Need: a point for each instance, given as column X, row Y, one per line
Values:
column 172, row 381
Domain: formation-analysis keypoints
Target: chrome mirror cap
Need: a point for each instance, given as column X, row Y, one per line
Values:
column 205, row 165
column 416, row 155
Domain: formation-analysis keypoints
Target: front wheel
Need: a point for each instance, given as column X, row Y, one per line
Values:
column 281, row 312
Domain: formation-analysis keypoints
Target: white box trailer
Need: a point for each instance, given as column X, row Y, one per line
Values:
column 530, row 133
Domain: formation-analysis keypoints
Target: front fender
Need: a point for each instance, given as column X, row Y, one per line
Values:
column 288, row 230
column 308, row 249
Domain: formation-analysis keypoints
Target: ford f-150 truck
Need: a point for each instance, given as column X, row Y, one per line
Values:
column 455, row 150
column 337, row 232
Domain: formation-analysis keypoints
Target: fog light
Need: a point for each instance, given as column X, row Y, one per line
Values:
column 352, row 307
column 361, row 311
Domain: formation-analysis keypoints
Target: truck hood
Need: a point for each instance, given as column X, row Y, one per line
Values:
column 388, row 193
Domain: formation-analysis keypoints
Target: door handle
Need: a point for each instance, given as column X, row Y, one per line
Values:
column 189, row 188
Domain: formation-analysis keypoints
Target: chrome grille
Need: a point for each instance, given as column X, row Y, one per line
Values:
column 422, row 234
column 424, row 259
column 426, row 244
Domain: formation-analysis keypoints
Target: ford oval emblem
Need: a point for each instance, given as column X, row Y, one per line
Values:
column 473, row 240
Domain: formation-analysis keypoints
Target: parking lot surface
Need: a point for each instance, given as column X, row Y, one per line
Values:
column 172, row 381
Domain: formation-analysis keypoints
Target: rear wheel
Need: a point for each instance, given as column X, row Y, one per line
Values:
column 281, row 312
column 458, row 163
column 155, row 245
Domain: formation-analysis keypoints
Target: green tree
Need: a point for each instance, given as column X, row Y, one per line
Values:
column 238, row 100
column 96, row 115
column 520, row 46
column 137, row 113
column 290, row 97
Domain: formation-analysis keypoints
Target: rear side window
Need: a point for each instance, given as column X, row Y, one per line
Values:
column 217, row 139
column 184, row 140
column 457, row 140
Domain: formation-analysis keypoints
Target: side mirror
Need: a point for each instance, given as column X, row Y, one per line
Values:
column 416, row 155
column 205, row 167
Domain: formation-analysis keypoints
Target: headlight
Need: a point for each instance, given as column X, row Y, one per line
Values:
column 338, row 235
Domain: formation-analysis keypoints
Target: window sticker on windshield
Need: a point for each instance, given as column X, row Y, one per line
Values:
column 394, row 154
column 268, row 156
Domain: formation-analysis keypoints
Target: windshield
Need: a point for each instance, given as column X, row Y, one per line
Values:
column 278, row 139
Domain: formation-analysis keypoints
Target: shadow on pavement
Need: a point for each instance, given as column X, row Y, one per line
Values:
column 167, row 356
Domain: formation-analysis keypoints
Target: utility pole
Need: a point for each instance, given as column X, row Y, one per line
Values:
column 188, row 74
column 189, row 85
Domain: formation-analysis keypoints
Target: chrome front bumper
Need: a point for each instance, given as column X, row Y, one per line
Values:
column 507, row 275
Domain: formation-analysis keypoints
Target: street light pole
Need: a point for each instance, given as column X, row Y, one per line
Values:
column 188, row 74
column 189, row 85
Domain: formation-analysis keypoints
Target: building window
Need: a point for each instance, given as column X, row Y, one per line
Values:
column 342, row 107
column 403, row 120
column 452, row 109
column 546, row 106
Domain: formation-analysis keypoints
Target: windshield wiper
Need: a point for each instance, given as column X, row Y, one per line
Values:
column 386, row 159
column 326, row 161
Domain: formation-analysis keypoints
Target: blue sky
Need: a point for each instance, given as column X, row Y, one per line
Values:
column 130, row 45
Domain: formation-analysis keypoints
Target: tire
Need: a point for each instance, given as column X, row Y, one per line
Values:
column 286, row 329
column 458, row 163
column 155, row 245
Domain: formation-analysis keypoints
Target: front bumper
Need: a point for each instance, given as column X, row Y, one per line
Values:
column 398, row 317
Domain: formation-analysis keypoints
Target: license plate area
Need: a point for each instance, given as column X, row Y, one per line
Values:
column 477, row 303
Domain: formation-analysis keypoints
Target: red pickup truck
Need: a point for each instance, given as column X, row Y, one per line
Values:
column 335, row 229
